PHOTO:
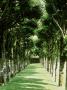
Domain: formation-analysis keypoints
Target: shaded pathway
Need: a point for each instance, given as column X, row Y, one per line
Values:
column 34, row 77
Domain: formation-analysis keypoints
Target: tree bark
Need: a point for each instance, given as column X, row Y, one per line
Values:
column 61, row 62
column 66, row 77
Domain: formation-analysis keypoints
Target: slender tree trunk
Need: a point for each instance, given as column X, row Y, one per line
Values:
column 48, row 62
column 55, row 70
column 18, row 63
column 50, row 66
column 61, row 73
column 24, row 58
column 62, row 61
column 45, row 62
column 4, row 57
column 12, row 63
column 12, row 68
column 66, row 77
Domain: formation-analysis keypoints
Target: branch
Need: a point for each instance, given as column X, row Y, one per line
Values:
column 6, row 6
column 58, row 26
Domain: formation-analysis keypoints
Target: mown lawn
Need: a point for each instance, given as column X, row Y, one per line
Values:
column 34, row 77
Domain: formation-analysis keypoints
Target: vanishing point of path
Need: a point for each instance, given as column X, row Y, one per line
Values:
column 34, row 77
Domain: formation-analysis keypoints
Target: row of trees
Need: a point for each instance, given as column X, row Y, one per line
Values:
column 18, row 19
column 21, row 19
column 53, row 40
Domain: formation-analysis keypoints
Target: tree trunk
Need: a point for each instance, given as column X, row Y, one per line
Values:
column 66, row 77
column 55, row 70
column 61, row 62
column 4, row 57
column 61, row 73
column 48, row 65
column 12, row 63
column 52, row 67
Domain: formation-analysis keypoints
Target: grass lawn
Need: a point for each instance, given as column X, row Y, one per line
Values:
column 34, row 77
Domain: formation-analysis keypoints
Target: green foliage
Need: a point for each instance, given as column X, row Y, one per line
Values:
column 65, row 39
column 49, row 8
column 23, row 16
column 30, row 23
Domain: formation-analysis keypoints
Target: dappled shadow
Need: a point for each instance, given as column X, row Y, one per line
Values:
column 27, row 80
column 22, row 80
column 27, row 84
column 30, row 70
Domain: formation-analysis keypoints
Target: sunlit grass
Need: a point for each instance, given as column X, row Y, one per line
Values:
column 34, row 77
